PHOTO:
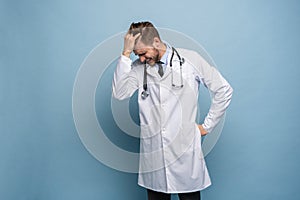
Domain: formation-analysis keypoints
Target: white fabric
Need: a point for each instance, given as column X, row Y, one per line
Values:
column 171, row 159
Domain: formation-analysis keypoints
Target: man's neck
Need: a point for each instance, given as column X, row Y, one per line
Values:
column 162, row 50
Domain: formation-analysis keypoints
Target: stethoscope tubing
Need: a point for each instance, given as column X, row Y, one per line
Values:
column 145, row 92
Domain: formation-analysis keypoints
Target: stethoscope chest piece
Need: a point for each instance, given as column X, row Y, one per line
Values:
column 145, row 94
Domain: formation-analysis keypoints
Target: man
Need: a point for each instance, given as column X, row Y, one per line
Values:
column 167, row 80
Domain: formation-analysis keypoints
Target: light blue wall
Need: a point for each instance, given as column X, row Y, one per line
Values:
column 43, row 43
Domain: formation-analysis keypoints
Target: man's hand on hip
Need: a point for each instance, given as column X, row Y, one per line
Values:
column 202, row 130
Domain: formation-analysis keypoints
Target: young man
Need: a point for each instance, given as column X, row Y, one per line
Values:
column 167, row 80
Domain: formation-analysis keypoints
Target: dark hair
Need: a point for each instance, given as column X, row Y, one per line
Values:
column 147, row 30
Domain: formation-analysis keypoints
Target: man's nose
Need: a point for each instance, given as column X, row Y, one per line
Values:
column 142, row 58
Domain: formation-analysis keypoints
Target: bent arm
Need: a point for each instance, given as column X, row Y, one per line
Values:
column 221, row 93
column 125, row 81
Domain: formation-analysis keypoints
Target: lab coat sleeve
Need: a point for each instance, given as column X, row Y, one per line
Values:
column 125, row 81
column 220, row 89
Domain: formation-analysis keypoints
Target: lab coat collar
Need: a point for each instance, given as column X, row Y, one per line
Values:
column 165, row 59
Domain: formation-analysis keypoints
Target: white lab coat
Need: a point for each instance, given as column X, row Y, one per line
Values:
column 171, row 159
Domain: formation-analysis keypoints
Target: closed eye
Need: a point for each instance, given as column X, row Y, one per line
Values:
column 142, row 54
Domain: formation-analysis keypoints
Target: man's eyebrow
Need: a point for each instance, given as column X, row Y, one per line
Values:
column 139, row 54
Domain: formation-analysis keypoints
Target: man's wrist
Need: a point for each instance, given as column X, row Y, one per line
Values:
column 126, row 53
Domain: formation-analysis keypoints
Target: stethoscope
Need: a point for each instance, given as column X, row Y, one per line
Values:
column 145, row 93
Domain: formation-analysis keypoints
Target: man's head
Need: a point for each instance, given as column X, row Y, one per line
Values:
column 148, row 46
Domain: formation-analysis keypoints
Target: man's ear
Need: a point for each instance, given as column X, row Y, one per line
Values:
column 156, row 42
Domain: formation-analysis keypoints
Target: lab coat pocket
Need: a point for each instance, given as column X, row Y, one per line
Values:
column 197, row 146
column 187, row 135
column 150, row 139
column 198, row 164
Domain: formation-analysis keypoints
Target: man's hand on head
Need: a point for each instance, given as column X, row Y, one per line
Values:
column 129, row 41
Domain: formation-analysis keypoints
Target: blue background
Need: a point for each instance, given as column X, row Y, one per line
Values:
column 254, row 43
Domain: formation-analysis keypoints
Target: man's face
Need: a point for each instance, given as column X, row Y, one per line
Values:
column 146, row 53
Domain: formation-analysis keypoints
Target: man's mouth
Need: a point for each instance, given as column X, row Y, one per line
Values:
column 150, row 62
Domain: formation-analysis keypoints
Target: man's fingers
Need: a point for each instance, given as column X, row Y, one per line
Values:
column 136, row 36
column 129, row 41
column 202, row 130
column 128, row 35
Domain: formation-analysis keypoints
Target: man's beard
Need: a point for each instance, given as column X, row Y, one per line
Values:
column 155, row 58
